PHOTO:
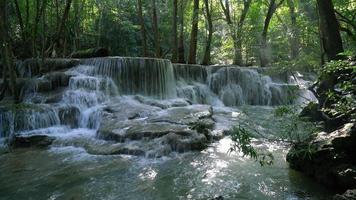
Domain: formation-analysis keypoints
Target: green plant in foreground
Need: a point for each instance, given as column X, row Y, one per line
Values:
column 242, row 142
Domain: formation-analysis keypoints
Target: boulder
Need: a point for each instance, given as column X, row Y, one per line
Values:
column 155, row 131
column 348, row 195
column 38, row 141
column 69, row 115
column 312, row 112
column 329, row 158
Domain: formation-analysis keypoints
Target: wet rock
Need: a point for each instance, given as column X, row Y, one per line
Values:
column 348, row 195
column 329, row 158
column 39, row 141
column 69, row 115
column 58, row 79
column 115, row 149
column 91, row 53
column 181, row 144
column 164, row 104
column 312, row 112
column 218, row 198
column 175, row 129
column 33, row 67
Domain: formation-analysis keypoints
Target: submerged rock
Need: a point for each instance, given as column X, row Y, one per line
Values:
column 330, row 158
column 39, row 141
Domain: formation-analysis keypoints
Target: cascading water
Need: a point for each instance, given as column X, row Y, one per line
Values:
column 92, row 84
column 233, row 86
column 148, row 77
column 146, row 107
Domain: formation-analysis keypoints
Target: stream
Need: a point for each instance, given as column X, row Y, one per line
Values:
column 122, row 129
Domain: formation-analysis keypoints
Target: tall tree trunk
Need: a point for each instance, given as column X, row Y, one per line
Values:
column 59, row 33
column 207, row 56
column 155, row 30
column 236, row 31
column 6, row 50
column 43, row 39
column 264, row 52
column 174, row 34
column 143, row 30
column 331, row 44
column 19, row 17
column 34, row 29
column 76, row 27
column 194, row 34
column 239, row 34
column 181, row 52
column 294, row 40
column 329, row 30
column 27, row 13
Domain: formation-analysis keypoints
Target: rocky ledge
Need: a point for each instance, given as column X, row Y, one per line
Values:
column 329, row 158
column 149, row 130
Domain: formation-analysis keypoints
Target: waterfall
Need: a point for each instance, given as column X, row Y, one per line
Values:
column 25, row 117
column 233, row 86
column 74, row 97
column 148, row 76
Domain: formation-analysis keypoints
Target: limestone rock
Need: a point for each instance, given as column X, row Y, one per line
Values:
column 330, row 158
column 39, row 141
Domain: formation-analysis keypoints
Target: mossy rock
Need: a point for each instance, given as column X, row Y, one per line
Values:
column 91, row 53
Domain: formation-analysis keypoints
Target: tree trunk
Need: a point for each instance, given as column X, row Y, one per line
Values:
column 155, row 30
column 236, row 31
column 207, row 56
column 329, row 30
column 6, row 54
column 294, row 40
column 59, row 33
column 174, row 34
column 239, row 34
column 43, row 39
column 19, row 17
column 194, row 34
column 264, row 52
column 181, row 52
column 331, row 44
column 143, row 30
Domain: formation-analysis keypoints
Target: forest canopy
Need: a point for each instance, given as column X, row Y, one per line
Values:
column 243, row 32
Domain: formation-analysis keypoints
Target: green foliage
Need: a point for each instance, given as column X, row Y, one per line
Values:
column 303, row 150
column 295, row 128
column 282, row 111
column 341, row 98
column 243, row 143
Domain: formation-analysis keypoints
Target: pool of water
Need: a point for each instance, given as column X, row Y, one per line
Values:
column 67, row 172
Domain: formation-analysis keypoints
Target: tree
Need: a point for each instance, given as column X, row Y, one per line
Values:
column 264, row 52
column 294, row 40
column 6, row 50
column 236, row 30
column 331, row 45
column 143, row 30
column 194, row 34
column 174, row 32
column 181, row 51
column 58, row 38
column 329, row 31
column 206, row 58
column 157, row 39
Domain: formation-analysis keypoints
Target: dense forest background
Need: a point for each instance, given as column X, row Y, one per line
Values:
column 243, row 32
